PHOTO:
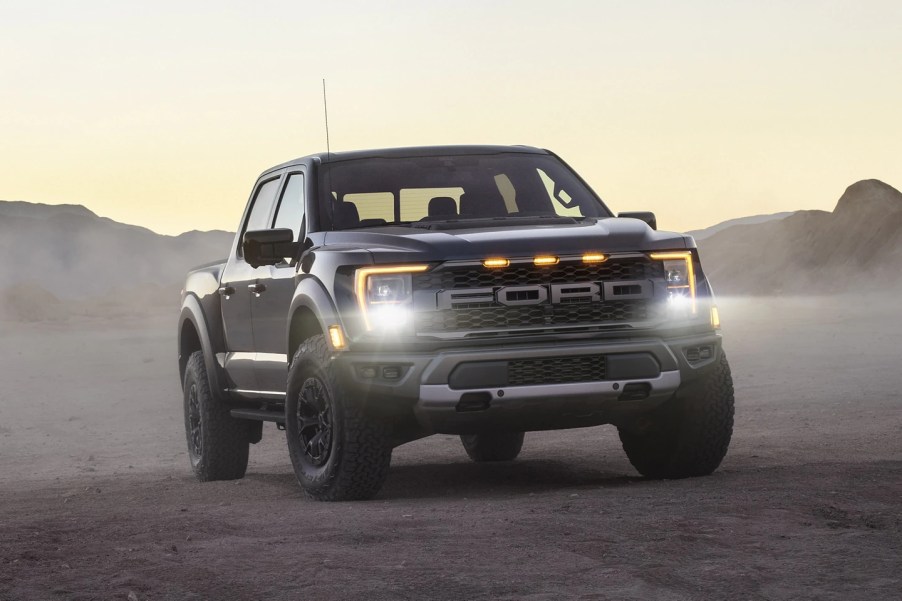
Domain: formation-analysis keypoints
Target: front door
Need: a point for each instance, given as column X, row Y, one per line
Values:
column 237, row 289
column 270, row 307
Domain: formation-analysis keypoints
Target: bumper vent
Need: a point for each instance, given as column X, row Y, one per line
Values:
column 556, row 370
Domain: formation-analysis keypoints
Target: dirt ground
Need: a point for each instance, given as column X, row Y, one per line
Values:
column 97, row 500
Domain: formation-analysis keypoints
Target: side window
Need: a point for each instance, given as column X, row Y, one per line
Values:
column 261, row 208
column 290, row 213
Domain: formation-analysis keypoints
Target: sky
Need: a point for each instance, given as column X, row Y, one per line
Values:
column 163, row 113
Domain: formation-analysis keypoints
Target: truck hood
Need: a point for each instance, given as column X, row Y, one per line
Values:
column 393, row 244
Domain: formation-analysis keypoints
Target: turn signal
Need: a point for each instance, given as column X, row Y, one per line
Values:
column 337, row 336
column 715, row 318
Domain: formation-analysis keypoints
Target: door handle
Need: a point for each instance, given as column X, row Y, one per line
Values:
column 226, row 291
column 257, row 289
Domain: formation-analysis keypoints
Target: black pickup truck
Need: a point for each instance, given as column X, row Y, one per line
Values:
column 375, row 297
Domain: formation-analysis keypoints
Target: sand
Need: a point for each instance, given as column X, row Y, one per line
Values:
column 98, row 502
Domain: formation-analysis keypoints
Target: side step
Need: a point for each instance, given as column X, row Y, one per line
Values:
column 259, row 415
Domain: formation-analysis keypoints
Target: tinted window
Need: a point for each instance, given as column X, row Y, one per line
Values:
column 290, row 213
column 364, row 192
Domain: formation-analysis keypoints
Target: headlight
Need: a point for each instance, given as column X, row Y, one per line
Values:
column 679, row 275
column 385, row 295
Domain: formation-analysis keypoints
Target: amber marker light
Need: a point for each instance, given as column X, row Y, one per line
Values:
column 337, row 336
column 360, row 284
column 715, row 318
column 594, row 258
column 496, row 262
column 545, row 260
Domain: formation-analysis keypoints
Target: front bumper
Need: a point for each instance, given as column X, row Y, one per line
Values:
column 464, row 391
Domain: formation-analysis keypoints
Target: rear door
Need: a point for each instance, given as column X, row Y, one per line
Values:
column 237, row 289
column 269, row 307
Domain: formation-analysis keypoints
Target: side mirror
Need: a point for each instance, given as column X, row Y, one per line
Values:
column 268, row 247
column 646, row 216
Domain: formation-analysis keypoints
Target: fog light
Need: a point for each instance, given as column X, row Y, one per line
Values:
column 368, row 372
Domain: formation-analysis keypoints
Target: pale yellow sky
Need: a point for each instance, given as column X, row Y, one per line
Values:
column 162, row 114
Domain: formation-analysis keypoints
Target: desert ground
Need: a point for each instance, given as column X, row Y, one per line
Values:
column 97, row 500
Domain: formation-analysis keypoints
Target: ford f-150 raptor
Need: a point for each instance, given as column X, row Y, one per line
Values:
column 372, row 298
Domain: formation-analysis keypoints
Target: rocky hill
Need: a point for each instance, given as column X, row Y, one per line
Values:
column 710, row 231
column 857, row 247
column 57, row 257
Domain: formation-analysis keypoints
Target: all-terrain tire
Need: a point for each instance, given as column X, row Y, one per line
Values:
column 493, row 446
column 689, row 435
column 339, row 454
column 217, row 442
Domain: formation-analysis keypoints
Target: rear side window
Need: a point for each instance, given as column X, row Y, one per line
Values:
column 290, row 214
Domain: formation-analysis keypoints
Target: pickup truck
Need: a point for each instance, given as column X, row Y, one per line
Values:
column 372, row 298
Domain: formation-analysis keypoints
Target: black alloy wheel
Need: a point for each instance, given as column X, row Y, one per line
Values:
column 195, row 434
column 338, row 451
column 314, row 417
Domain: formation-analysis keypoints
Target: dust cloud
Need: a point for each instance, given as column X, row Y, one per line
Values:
column 98, row 497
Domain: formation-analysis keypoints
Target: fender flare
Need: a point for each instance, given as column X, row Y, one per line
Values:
column 311, row 294
column 194, row 313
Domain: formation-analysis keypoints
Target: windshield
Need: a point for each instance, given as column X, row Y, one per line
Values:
column 384, row 191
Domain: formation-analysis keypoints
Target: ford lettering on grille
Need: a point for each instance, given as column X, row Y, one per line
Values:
column 555, row 294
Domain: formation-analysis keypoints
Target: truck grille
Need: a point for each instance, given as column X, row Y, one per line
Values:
column 485, row 316
column 556, row 370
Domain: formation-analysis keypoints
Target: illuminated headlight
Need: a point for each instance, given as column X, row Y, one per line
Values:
column 385, row 296
column 679, row 275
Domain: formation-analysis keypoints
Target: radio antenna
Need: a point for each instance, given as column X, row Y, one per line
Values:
column 326, row 114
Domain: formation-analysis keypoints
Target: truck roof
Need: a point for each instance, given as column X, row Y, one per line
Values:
column 408, row 151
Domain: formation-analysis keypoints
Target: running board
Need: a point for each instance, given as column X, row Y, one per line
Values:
column 259, row 415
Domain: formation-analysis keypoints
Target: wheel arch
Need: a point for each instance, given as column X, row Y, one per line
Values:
column 312, row 312
column 194, row 335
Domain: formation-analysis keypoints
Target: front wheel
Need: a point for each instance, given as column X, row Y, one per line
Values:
column 338, row 453
column 689, row 435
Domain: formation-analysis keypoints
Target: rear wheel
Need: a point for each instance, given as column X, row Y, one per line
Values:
column 493, row 446
column 338, row 453
column 218, row 444
column 689, row 435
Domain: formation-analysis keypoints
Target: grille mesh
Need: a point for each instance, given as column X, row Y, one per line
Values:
column 557, row 370
column 500, row 317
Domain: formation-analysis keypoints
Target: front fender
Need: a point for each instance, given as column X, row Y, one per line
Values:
column 311, row 294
